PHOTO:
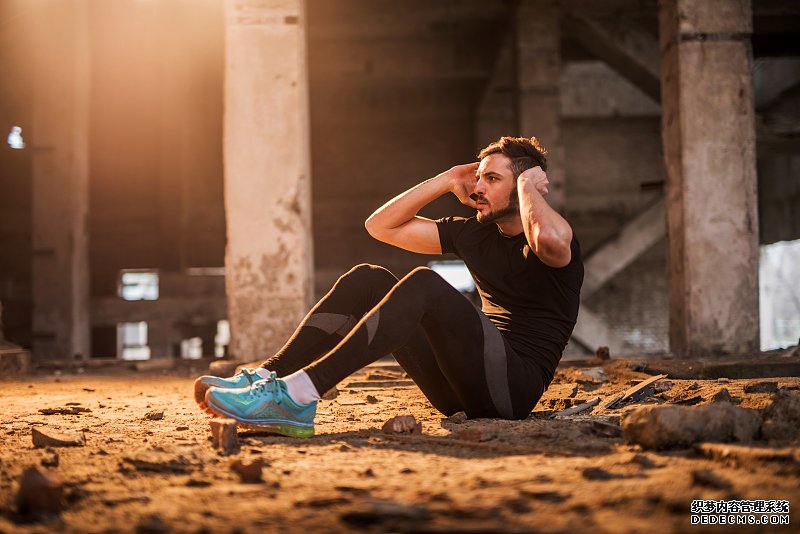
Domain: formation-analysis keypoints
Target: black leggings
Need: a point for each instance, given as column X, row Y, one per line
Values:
column 451, row 350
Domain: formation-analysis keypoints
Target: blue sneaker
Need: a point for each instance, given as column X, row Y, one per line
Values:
column 243, row 378
column 265, row 405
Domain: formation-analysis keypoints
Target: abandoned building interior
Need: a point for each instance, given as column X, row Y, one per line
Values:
column 183, row 178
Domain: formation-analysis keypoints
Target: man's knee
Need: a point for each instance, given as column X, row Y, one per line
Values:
column 423, row 275
column 365, row 274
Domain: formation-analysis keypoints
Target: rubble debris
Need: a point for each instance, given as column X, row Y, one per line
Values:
column 112, row 502
column 372, row 399
column 707, row 478
column 156, row 462
column 746, row 455
column 151, row 524
column 39, row 493
column 782, row 418
column 457, row 418
column 250, row 472
column 331, row 394
column 603, row 353
column 723, row 395
column 224, row 436
column 577, row 408
column 663, row 427
column 322, row 502
column 154, row 415
column 635, row 393
column 43, row 437
column 596, row 473
column 378, row 512
column 761, row 387
column 593, row 375
column 546, row 496
column 663, row 385
column 68, row 410
column 402, row 424
column 690, row 401
column 197, row 483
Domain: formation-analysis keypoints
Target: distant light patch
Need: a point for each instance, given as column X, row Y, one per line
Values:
column 192, row 348
column 139, row 285
column 455, row 273
column 132, row 341
column 223, row 338
column 779, row 294
column 15, row 140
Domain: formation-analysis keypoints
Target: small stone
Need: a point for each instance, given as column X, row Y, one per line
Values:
column 782, row 418
column 369, row 472
column 249, row 473
column 595, row 473
column 224, row 436
column 457, row 418
column 154, row 415
column 518, row 505
column 402, row 424
column 723, row 395
column 151, row 524
column 593, row 375
column 181, row 428
column 724, row 380
column 475, row 434
column 52, row 460
column 761, row 387
column 48, row 438
column 603, row 353
column 39, row 493
column 693, row 386
column 331, row 394
column 371, row 399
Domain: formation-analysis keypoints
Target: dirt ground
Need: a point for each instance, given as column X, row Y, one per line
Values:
column 570, row 474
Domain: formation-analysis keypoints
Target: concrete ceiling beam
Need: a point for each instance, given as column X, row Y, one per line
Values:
column 626, row 48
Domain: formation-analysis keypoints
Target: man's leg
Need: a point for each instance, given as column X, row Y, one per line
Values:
column 486, row 376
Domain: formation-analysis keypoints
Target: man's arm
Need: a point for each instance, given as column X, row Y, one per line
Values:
column 397, row 222
column 548, row 234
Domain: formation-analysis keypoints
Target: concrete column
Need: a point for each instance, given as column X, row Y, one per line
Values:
column 268, row 260
column 709, row 150
column 59, row 141
column 538, row 61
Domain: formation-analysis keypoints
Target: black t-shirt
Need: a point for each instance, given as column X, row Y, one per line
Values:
column 533, row 305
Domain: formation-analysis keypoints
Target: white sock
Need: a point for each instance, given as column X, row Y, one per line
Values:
column 262, row 372
column 300, row 387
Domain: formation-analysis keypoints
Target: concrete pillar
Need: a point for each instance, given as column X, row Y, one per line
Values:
column 709, row 150
column 59, row 142
column 538, row 62
column 268, row 260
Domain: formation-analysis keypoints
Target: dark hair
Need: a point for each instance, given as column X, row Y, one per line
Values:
column 524, row 153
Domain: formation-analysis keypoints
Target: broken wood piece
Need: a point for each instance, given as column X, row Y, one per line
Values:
column 224, row 436
column 48, row 438
column 633, row 391
column 578, row 408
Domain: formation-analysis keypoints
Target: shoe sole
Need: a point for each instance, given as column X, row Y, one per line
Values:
column 275, row 426
column 200, row 396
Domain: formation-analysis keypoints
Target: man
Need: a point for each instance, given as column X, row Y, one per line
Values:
column 495, row 362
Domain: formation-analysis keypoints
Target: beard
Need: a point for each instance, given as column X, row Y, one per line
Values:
column 512, row 208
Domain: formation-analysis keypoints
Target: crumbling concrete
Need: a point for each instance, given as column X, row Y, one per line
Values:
column 664, row 427
column 224, row 436
column 782, row 418
column 43, row 437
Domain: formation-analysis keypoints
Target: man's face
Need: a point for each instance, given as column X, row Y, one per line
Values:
column 496, row 189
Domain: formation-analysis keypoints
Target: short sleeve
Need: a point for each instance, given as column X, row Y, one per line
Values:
column 449, row 230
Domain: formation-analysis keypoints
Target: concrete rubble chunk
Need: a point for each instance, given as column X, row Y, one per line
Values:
column 761, row 387
column 154, row 415
column 44, row 437
column 249, row 472
column 593, row 374
column 723, row 395
column 224, row 436
column 782, row 418
column 402, row 424
column 39, row 493
column 664, row 427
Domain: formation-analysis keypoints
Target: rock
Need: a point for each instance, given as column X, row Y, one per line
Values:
column 52, row 460
column 154, row 415
column 593, row 375
column 69, row 410
column 518, row 505
column 157, row 462
column 151, row 524
column 595, row 473
column 249, row 473
column 224, row 436
column 663, row 385
column 761, row 387
column 372, row 399
column 331, row 394
column 723, row 395
column 457, row 418
column 541, row 495
column 402, row 424
column 47, row 438
column 663, row 427
column 375, row 512
column 475, row 434
column 707, row 478
column 223, row 368
column 782, row 418
column 603, row 353
column 39, row 493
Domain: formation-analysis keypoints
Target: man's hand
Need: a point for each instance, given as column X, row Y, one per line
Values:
column 538, row 178
column 462, row 181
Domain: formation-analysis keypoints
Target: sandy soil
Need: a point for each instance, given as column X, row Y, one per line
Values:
column 574, row 474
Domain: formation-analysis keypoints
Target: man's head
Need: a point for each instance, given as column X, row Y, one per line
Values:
column 501, row 164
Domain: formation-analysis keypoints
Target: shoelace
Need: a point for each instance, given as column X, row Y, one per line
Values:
column 266, row 385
